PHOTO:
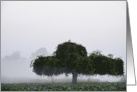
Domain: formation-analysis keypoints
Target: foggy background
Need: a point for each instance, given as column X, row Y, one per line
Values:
column 29, row 29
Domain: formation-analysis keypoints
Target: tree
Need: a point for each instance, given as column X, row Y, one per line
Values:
column 72, row 58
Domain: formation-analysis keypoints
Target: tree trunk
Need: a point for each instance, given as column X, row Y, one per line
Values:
column 74, row 78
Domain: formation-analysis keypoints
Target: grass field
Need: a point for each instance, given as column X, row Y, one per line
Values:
column 64, row 87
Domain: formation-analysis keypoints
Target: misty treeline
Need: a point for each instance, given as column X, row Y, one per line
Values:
column 71, row 57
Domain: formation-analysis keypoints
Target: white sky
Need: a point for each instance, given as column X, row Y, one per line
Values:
column 29, row 25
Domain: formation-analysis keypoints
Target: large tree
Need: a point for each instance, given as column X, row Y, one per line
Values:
column 72, row 58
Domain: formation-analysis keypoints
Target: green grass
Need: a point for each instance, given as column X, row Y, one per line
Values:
column 64, row 87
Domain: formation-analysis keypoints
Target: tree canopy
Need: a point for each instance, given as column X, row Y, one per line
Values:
column 106, row 64
column 72, row 58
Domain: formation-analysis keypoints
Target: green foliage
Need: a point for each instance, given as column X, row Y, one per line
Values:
column 72, row 58
column 119, row 66
column 46, row 66
column 106, row 65
column 69, row 57
column 64, row 87
column 38, row 65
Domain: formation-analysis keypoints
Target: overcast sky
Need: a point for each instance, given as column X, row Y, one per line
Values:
column 29, row 25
